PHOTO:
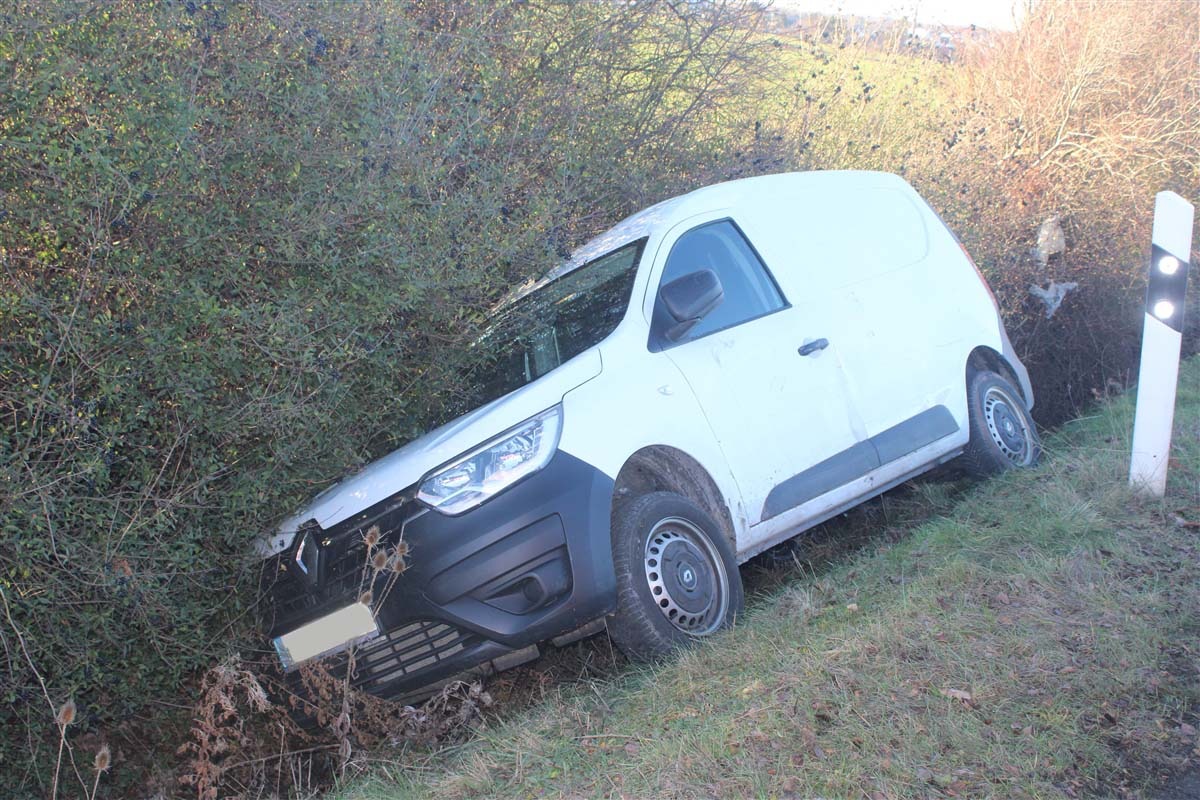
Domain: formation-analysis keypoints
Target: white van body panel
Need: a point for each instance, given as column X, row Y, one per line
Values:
column 904, row 308
column 411, row 462
column 639, row 402
column 866, row 264
column 753, row 387
column 778, row 529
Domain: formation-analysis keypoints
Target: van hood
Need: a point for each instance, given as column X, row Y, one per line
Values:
column 404, row 467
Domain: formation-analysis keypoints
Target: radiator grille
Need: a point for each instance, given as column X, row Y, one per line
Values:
column 344, row 567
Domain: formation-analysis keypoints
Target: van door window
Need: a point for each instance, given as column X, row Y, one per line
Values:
column 750, row 291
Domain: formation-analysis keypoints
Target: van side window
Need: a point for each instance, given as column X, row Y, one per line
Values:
column 750, row 291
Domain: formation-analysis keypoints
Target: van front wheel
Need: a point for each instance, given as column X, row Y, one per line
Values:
column 1003, row 435
column 677, row 576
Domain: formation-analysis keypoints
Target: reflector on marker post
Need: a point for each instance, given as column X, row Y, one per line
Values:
column 1162, row 336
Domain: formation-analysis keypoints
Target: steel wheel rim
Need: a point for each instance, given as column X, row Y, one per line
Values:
column 1007, row 426
column 686, row 576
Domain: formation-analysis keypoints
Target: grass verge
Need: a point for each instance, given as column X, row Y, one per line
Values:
column 1039, row 638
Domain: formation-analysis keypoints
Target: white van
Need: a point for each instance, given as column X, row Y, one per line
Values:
column 707, row 379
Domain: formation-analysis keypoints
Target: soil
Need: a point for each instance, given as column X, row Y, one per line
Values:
column 1184, row 786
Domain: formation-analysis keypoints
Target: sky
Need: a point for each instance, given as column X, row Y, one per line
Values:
column 993, row 14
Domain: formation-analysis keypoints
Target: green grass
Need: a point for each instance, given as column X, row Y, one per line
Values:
column 1038, row 637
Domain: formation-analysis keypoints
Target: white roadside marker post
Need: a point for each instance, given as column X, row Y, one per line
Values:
column 1162, row 335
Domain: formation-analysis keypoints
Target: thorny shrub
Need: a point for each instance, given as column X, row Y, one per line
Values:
column 1083, row 116
column 238, row 242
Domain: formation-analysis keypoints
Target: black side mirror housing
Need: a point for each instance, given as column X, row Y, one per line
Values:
column 688, row 299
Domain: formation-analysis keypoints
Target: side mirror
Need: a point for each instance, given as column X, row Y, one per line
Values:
column 688, row 299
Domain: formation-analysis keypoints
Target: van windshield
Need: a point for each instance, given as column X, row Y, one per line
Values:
column 554, row 323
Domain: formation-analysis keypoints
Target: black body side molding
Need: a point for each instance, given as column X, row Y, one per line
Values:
column 859, row 459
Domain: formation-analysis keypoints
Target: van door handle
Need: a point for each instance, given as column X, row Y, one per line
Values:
column 813, row 346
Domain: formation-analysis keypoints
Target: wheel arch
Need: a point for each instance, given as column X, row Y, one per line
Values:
column 661, row 468
column 985, row 358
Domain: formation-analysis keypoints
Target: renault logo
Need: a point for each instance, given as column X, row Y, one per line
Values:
column 307, row 558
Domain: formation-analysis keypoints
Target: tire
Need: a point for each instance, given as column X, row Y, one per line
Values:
column 658, row 612
column 1003, row 434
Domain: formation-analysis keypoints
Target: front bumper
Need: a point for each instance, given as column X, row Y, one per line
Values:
column 530, row 564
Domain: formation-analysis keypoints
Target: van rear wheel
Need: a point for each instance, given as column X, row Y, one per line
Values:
column 1003, row 434
column 677, row 576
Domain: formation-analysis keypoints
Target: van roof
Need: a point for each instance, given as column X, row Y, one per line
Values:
column 729, row 193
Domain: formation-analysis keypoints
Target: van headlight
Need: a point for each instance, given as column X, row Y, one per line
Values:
column 494, row 466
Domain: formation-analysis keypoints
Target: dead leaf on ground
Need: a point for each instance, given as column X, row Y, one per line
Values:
column 807, row 737
column 960, row 695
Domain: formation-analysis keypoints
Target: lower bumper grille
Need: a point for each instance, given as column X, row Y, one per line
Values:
column 406, row 650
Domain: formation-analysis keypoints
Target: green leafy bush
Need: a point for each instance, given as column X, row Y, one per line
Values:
column 239, row 242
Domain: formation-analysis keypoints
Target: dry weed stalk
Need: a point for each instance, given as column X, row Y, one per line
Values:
column 248, row 716
column 64, row 717
column 220, row 726
column 367, row 720
column 100, row 764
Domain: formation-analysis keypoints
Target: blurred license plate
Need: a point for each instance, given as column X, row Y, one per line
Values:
column 329, row 634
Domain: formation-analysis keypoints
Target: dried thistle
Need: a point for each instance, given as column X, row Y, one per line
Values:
column 66, row 713
column 379, row 560
column 102, row 762
column 64, row 717
column 372, row 537
column 365, row 598
column 399, row 565
column 401, row 549
column 103, row 758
